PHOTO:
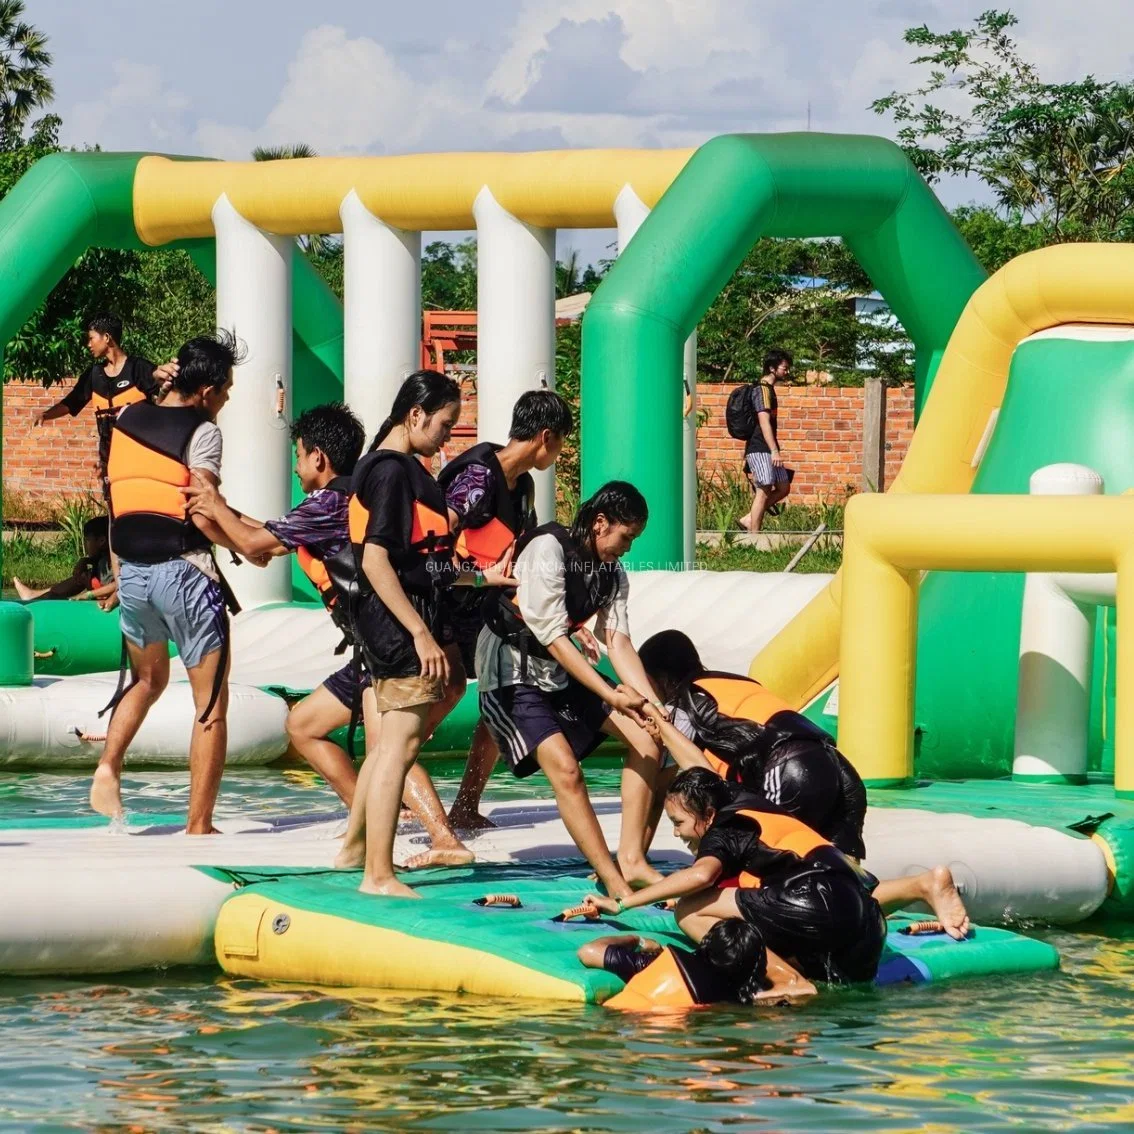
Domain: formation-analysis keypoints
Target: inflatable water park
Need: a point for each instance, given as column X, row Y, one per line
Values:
column 968, row 656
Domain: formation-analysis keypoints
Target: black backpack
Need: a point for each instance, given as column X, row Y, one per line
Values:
column 740, row 413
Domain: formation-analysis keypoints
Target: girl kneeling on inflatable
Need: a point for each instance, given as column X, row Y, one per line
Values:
column 811, row 904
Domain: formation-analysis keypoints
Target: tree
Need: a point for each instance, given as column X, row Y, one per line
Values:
column 1058, row 155
column 24, row 84
column 315, row 244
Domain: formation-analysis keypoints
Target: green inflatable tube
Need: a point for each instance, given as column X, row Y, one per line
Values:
column 734, row 190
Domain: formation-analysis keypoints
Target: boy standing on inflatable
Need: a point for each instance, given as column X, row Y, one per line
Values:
column 328, row 442
column 169, row 585
column 490, row 493
column 543, row 703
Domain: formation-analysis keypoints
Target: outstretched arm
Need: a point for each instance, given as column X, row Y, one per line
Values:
column 249, row 538
column 689, row 880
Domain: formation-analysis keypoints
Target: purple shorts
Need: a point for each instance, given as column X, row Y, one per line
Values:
column 348, row 683
column 521, row 717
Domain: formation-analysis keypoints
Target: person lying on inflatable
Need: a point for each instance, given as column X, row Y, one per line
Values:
column 810, row 904
column 749, row 736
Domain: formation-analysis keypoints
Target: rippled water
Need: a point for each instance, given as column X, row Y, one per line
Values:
column 192, row 1050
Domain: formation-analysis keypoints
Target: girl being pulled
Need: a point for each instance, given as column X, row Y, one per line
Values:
column 544, row 705
column 747, row 735
column 399, row 530
column 811, row 904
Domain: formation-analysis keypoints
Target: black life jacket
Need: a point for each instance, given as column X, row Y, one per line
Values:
column 427, row 561
column 109, row 396
column 147, row 469
column 590, row 587
column 334, row 577
column 510, row 508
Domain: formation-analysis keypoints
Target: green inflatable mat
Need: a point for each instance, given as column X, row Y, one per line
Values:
column 315, row 927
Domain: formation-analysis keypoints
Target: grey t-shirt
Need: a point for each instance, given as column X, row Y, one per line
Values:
column 204, row 453
column 542, row 597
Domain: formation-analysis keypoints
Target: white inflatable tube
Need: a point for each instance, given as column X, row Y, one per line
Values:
column 55, row 723
column 91, row 900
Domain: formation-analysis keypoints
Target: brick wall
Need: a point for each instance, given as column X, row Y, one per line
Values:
column 820, row 431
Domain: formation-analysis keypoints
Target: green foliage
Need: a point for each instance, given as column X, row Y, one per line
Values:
column 1057, row 155
column 568, row 372
column 798, row 295
column 24, row 83
column 824, row 556
column 72, row 515
column 448, row 276
column 37, row 560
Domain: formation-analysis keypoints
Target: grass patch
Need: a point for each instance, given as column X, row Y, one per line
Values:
column 825, row 556
column 37, row 561
column 724, row 495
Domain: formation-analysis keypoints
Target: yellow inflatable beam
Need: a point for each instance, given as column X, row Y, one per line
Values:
column 174, row 200
column 890, row 540
column 1068, row 283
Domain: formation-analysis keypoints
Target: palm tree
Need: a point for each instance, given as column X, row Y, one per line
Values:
column 24, row 60
column 567, row 274
column 313, row 243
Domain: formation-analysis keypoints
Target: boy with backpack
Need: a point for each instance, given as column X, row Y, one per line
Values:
column 751, row 416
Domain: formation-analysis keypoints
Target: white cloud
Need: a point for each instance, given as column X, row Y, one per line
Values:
column 136, row 110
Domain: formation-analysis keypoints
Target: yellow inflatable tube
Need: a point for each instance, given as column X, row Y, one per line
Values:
column 890, row 540
column 553, row 189
column 1068, row 283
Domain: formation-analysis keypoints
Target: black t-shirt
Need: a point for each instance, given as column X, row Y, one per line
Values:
column 706, row 984
column 764, row 399
column 735, row 841
column 136, row 371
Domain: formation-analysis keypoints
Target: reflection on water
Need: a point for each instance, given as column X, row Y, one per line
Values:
column 190, row 1050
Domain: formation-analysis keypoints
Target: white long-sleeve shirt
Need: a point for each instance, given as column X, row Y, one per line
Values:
column 542, row 598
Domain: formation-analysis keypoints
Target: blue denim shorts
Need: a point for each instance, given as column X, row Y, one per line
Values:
column 175, row 600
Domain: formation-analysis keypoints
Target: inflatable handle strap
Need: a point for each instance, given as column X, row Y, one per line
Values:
column 921, row 928
column 574, row 912
column 509, row 901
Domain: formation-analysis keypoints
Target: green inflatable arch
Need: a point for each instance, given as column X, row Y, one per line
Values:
column 67, row 203
column 734, row 190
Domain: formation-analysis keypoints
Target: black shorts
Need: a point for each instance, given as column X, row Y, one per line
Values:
column 387, row 647
column 521, row 717
column 821, row 920
column 348, row 683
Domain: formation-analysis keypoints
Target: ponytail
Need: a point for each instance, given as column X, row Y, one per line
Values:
column 429, row 389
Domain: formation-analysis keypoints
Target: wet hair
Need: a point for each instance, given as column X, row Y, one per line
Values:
column 429, row 389
column 97, row 527
column 671, row 660
column 335, row 431
column 737, row 951
column 538, row 410
column 618, row 500
column 207, row 360
column 700, row 792
column 104, row 323
column 773, row 359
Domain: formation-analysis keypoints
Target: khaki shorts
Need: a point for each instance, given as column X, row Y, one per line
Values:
column 406, row 692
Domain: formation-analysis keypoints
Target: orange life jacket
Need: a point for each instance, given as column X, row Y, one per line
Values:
column 109, row 396
column 425, row 562
column 334, row 577
column 781, row 833
column 661, row 985
column 511, row 508
column 147, row 469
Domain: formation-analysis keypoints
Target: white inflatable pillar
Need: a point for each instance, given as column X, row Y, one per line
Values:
column 629, row 213
column 1057, row 640
column 254, row 301
column 515, row 295
column 381, row 310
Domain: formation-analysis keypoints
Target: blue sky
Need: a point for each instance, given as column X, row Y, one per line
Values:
column 216, row 77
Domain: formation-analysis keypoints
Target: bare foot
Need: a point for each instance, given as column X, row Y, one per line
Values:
column 440, row 856
column 388, row 888
column 639, row 874
column 470, row 821
column 744, row 522
column 22, row 589
column 106, row 792
column 943, row 897
column 350, row 858
column 209, row 830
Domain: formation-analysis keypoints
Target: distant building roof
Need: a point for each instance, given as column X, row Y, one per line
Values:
column 572, row 306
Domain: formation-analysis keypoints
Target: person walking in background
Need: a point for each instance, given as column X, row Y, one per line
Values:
column 763, row 461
